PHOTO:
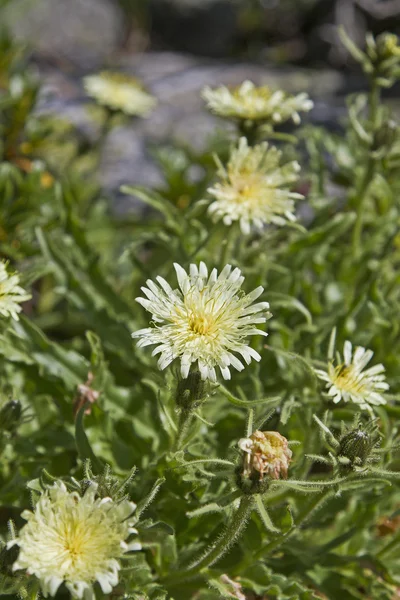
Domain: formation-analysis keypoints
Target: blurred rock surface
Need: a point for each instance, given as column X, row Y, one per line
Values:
column 81, row 32
column 180, row 116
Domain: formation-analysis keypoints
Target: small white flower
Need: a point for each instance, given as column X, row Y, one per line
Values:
column 120, row 92
column 248, row 102
column 204, row 321
column 350, row 381
column 11, row 293
column 252, row 190
column 75, row 540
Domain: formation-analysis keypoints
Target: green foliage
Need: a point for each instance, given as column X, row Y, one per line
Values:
column 79, row 402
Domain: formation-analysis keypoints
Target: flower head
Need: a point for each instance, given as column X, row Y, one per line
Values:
column 11, row 293
column 120, row 92
column 204, row 321
column 267, row 453
column 252, row 188
column 75, row 540
column 348, row 380
column 248, row 102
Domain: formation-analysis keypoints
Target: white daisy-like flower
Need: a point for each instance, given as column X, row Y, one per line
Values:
column 75, row 540
column 11, row 293
column 120, row 92
column 248, row 102
column 252, row 188
column 205, row 321
column 348, row 380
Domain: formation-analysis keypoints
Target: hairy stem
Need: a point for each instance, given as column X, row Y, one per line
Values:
column 220, row 546
column 185, row 420
column 281, row 539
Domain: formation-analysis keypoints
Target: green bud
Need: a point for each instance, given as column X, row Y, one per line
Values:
column 356, row 446
column 10, row 416
column 190, row 392
column 385, row 136
column 387, row 46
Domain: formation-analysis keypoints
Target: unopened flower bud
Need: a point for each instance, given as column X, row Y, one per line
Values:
column 387, row 46
column 385, row 136
column 266, row 453
column 85, row 396
column 356, row 446
column 10, row 416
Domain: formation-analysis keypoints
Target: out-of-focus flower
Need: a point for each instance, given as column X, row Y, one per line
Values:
column 252, row 188
column 267, row 453
column 205, row 321
column 11, row 293
column 75, row 540
column 85, row 395
column 248, row 102
column 120, row 92
column 348, row 380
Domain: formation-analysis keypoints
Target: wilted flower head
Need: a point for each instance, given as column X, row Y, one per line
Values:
column 267, row 453
column 11, row 293
column 120, row 92
column 204, row 321
column 75, row 540
column 348, row 380
column 252, row 186
column 248, row 102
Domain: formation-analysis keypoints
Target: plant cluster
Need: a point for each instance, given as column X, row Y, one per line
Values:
column 252, row 458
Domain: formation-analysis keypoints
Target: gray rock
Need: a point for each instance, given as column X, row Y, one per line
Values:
column 82, row 32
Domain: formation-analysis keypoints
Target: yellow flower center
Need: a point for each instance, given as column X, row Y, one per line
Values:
column 345, row 378
column 200, row 324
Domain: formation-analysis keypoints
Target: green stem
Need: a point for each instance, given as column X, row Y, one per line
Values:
column 360, row 201
column 227, row 245
column 374, row 98
column 202, row 244
column 220, row 546
column 389, row 547
column 185, row 420
column 278, row 541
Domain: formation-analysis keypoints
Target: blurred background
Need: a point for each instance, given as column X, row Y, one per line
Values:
column 177, row 47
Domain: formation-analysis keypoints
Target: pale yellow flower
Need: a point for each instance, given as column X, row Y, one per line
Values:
column 75, row 540
column 248, row 102
column 120, row 92
column 267, row 453
column 11, row 293
column 252, row 188
column 348, row 380
column 205, row 321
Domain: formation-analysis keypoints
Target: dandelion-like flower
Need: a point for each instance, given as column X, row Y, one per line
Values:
column 267, row 453
column 248, row 102
column 75, row 540
column 348, row 380
column 120, row 92
column 205, row 321
column 252, row 188
column 11, row 293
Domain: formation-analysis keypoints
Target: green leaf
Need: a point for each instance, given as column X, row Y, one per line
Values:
column 247, row 403
column 266, row 519
column 82, row 443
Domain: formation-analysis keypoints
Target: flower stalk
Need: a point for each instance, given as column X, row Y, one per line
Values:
column 220, row 546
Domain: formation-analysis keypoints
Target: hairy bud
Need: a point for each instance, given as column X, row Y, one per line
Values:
column 356, row 446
